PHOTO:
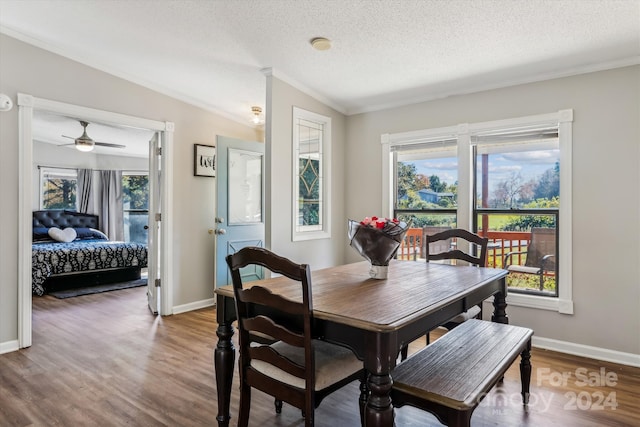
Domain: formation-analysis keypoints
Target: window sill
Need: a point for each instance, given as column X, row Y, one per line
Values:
column 539, row 302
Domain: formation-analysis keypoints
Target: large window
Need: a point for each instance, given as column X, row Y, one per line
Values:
column 135, row 202
column 509, row 180
column 311, row 173
column 517, row 204
column 58, row 188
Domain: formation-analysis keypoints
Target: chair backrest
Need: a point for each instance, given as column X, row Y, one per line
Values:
column 458, row 234
column 262, row 313
column 411, row 245
column 435, row 246
column 543, row 244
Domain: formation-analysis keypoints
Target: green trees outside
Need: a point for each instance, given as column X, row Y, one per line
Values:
column 410, row 182
column 135, row 198
column 59, row 193
column 135, row 192
column 511, row 193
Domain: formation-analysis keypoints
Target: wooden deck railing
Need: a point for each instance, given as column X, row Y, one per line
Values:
column 503, row 242
column 500, row 244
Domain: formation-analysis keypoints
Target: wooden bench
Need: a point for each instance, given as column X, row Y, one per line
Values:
column 450, row 377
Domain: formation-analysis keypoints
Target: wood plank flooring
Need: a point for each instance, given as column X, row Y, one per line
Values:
column 104, row 360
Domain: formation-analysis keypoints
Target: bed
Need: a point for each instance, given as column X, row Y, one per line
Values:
column 68, row 251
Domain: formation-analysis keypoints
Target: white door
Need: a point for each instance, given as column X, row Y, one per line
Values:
column 240, row 203
column 153, row 252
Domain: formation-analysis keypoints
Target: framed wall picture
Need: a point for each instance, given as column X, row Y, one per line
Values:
column 204, row 160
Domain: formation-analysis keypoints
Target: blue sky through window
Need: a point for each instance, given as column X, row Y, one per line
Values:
column 529, row 164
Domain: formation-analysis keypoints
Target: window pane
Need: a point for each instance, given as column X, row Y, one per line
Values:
column 245, row 187
column 135, row 192
column 310, row 180
column 523, row 178
column 424, row 182
column 59, row 189
column 524, row 242
column 134, row 226
column 135, row 196
column 309, row 187
column 515, row 178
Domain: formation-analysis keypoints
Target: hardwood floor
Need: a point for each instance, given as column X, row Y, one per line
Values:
column 103, row 360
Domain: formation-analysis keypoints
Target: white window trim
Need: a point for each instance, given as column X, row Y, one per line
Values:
column 564, row 119
column 325, row 191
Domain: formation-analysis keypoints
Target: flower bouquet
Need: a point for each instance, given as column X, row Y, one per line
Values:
column 377, row 240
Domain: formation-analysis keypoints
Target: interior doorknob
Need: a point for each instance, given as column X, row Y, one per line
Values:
column 220, row 231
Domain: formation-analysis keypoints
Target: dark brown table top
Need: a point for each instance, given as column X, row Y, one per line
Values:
column 346, row 294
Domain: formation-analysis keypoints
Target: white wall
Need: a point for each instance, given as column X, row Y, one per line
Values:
column 606, row 191
column 30, row 70
column 317, row 253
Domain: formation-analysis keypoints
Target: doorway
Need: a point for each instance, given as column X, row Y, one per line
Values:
column 27, row 105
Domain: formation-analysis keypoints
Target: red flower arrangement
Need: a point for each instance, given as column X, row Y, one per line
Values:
column 377, row 240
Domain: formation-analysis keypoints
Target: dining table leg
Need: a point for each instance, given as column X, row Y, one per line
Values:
column 379, row 411
column 224, row 359
column 379, row 362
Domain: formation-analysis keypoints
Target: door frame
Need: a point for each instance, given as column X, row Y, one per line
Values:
column 26, row 105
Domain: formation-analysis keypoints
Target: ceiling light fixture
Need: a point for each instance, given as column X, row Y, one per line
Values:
column 321, row 43
column 83, row 142
column 256, row 114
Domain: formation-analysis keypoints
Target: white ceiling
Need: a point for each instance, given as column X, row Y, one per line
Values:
column 384, row 54
column 62, row 130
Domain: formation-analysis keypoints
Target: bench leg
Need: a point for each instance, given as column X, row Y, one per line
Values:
column 525, row 372
column 404, row 352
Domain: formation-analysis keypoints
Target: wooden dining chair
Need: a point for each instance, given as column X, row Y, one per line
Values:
column 291, row 366
column 475, row 256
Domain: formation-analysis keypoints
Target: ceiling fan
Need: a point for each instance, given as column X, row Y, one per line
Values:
column 86, row 144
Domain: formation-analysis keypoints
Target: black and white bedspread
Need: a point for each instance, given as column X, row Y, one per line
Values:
column 82, row 256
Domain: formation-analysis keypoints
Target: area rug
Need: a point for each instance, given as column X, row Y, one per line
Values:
column 75, row 292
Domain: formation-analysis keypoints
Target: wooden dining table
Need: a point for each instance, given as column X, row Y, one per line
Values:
column 373, row 317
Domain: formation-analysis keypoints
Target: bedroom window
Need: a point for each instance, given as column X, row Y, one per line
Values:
column 311, row 173
column 58, row 188
column 135, row 202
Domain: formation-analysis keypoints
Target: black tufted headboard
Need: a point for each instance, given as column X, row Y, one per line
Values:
column 63, row 219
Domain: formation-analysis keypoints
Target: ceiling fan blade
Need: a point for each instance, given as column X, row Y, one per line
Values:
column 65, row 136
column 106, row 144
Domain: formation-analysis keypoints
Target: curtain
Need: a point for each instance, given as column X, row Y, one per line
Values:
column 111, row 215
column 85, row 195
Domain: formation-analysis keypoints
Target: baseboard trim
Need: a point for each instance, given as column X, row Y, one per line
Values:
column 210, row 302
column 597, row 353
column 9, row 346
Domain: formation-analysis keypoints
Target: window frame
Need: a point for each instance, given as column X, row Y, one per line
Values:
column 324, row 196
column 563, row 303
column 61, row 170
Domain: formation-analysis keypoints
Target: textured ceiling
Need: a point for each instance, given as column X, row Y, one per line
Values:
column 385, row 53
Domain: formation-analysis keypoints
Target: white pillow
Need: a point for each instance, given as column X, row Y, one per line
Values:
column 67, row 235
